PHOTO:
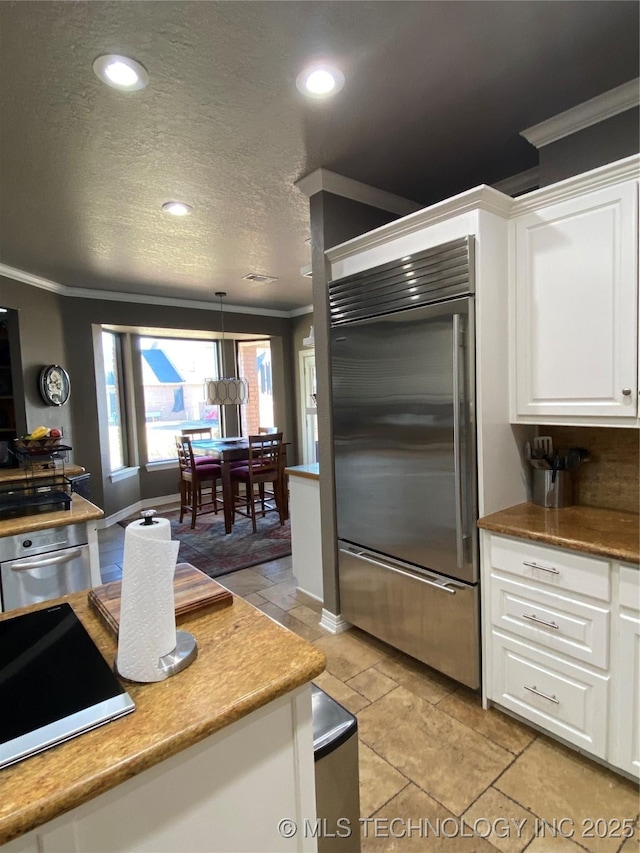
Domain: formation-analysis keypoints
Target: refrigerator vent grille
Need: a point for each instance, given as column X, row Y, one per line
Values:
column 442, row 272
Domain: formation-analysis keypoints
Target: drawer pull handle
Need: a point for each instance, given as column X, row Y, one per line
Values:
column 534, row 618
column 544, row 695
column 542, row 568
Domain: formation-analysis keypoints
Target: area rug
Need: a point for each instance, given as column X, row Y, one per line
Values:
column 215, row 553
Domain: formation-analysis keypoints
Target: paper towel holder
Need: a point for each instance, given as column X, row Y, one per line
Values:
column 185, row 652
column 186, row 648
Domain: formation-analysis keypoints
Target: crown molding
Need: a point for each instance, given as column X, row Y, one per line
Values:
column 520, row 183
column 602, row 107
column 480, row 198
column 117, row 296
column 327, row 181
column 34, row 280
column 627, row 169
column 299, row 312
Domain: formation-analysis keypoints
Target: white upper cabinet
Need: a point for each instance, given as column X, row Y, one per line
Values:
column 575, row 308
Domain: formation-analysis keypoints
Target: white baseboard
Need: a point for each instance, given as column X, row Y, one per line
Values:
column 167, row 502
column 332, row 623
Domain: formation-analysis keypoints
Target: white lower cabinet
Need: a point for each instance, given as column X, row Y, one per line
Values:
column 559, row 623
column 625, row 745
column 562, row 644
column 567, row 700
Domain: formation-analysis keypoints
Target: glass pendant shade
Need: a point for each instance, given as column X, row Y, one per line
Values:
column 226, row 392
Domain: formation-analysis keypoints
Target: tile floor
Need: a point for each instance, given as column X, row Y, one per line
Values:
column 429, row 754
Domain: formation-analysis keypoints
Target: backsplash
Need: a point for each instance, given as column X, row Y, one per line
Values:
column 612, row 476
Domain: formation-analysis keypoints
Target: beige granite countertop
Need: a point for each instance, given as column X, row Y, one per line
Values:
column 605, row 532
column 81, row 510
column 311, row 472
column 245, row 660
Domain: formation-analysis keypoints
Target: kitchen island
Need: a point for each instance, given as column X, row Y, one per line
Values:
column 211, row 759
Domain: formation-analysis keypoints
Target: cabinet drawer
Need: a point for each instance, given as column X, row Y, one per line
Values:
column 566, row 570
column 554, row 621
column 566, row 700
column 630, row 587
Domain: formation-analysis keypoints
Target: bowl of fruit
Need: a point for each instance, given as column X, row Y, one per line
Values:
column 39, row 441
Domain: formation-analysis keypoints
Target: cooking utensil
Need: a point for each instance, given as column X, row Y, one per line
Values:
column 572, row 459
column 576, row 455
column 527, row 451
column 540, row 464
column 544, row 444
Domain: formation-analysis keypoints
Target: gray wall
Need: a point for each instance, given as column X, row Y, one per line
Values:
column 587, row 149
column 40, row 325
column 65, row 330
column 333, row 220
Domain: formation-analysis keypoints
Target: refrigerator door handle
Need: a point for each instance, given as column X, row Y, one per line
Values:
column 457, row 442
column 362, row 555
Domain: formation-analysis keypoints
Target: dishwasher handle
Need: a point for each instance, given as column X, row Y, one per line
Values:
column 42, row 562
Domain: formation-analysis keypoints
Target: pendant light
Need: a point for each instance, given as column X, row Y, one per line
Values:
column 228, row 391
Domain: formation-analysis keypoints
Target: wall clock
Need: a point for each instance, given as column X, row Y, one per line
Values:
column 55, row 385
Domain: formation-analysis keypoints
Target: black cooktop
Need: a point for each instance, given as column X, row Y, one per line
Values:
column 54, row 683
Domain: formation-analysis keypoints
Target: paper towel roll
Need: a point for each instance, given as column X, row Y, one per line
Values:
column 147, row 628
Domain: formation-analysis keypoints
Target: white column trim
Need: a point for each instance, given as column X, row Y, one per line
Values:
column 602, row 107
column 627, row 169
column 332, row 623
column 520, row 183
column 327, row 181
column 478, row 198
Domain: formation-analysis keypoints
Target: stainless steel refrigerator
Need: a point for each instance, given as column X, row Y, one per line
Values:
column 403, row 355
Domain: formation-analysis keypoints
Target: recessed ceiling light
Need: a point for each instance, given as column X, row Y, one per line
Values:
column 121, row 72
column 320, row 81
column 259, row 278
column 177, row 208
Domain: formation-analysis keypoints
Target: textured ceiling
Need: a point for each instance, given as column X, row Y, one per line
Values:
column 436, row 94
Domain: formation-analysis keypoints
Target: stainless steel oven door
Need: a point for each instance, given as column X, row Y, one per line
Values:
column 429, row 616
column 29, row 580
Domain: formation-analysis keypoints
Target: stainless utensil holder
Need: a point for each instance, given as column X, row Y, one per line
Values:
column 552, row 492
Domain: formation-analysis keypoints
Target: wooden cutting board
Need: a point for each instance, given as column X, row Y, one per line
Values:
column 194, row 591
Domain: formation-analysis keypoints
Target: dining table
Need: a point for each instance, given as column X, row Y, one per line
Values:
column 225, row 451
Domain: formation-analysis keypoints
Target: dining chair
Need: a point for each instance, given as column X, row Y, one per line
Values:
column 195, row 434
column 263, row 466
column 195, row 480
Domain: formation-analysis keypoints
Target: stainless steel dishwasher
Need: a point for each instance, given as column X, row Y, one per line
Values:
column 43, row 564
